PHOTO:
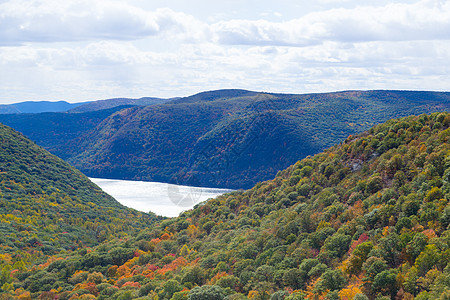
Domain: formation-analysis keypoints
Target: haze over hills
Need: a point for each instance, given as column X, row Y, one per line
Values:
column 37, row 107
column 366, row 219
column 225, row 138
column 215, row 95
column 63, row 106
column 47, row 206
column 111, row 103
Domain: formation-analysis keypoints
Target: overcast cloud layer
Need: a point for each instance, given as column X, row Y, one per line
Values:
column 78, row 50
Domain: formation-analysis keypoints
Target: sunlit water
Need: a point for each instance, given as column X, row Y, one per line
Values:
column 161, row 198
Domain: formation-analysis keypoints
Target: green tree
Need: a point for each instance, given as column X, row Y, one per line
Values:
column 360, row 297
column 208, row 226
column 279, row 295
column 337, row 245
column 179, row 296
column 207, row 292
column 331, row 280
column 427, row 259
column 5, row 271
column 358, row 257
column 374, row 184
column 385, row 282
column 171, row 287
column 373, row 266
column 230, row 281
column 416, row 245
column 293, row 278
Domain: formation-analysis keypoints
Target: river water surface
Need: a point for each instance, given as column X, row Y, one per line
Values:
column 161, row 198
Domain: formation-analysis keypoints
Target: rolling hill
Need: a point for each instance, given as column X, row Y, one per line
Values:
column 112, row 103
column 368, row 218
column 225, row 138
column 57, row 131
column 47, row 206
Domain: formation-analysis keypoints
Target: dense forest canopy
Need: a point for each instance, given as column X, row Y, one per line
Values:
column 366, row 219
column 49, row 207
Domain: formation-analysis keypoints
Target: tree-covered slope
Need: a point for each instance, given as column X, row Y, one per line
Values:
column 366, row 219
column 235, row 138
column 57, row 132
column 47, row 206
column 224, row 138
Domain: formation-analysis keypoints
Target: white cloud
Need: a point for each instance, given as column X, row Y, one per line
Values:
column 79, row 50
column 24, row 21
column 103, row 54
column 424, row 20
column 111, row 69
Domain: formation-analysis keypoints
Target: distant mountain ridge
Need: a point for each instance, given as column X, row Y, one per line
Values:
column 34, row 107
column 214, row 95
column 116, row 102
column 224, row 138
column 37, row 107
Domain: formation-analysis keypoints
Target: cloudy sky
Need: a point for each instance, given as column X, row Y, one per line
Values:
column 78, row 50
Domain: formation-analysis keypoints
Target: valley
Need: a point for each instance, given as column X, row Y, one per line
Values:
column 224, row 150
column 225, row 138
column 366, row 218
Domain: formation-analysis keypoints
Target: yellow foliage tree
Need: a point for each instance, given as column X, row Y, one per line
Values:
column 349, row 292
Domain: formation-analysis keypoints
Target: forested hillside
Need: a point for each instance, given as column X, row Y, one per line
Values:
column 225, row 138
column 366, row 219
column 234, row 139
column 57, row 132
column 49, row 207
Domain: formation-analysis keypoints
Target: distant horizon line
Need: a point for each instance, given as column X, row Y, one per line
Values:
column 224, row 89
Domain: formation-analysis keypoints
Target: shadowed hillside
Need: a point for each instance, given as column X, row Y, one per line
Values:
column 57, row 132
column 225, row 138
column 215, row 140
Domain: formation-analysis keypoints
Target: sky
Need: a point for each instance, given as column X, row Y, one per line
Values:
column 82, row 50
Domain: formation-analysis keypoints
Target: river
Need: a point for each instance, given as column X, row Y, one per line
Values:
column 163, row 199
